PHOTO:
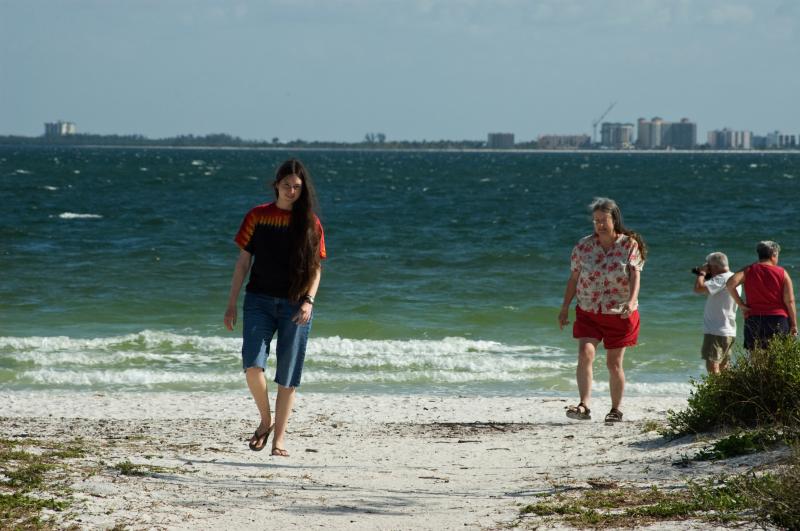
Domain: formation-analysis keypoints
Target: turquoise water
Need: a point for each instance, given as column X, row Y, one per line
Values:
column 445, row 270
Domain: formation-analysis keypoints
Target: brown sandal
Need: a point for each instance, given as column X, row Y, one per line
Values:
column 579, row 412
column 259, row 440
column 615, row 415
column 280, row 452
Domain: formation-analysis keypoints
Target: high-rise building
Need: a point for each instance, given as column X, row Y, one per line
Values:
column 59, row 128
column 659, row 134
column 500, row 141
column 681, row 135
column 616, row 135
column 778, row 140
column 728, row 139
column 758, row 142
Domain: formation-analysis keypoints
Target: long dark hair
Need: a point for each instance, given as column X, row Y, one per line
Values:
column 609, row 206
column 303, row 235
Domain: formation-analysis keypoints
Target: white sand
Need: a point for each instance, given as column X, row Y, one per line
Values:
column 357, row 462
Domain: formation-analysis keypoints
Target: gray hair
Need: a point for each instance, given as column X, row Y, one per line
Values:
column 605, row 204
column 767, row 249
column 718, row 259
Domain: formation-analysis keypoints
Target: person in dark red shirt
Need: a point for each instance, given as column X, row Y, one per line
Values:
column 769, row 307
column 281, row 245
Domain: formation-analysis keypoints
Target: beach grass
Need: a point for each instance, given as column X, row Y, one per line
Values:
column 32, row 482
column 635, row 506
column 761, row 388
column 127, row 468
column 742, row 442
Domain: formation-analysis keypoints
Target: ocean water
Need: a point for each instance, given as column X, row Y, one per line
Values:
column 445, row 272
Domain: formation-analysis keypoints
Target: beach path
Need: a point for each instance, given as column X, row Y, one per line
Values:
column 180, row 460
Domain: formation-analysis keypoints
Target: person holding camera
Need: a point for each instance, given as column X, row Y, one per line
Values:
column 769, row 309
column 719, row 316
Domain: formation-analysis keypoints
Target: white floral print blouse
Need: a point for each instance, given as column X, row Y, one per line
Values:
column 604, row 276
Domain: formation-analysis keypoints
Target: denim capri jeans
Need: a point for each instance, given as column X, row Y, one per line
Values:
column 263, row 316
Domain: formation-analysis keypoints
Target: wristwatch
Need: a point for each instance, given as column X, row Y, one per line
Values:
column 309, row 299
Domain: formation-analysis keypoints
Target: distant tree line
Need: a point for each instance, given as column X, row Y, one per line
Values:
column 371, row 141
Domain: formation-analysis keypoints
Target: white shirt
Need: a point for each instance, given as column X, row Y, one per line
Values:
column 719, row 317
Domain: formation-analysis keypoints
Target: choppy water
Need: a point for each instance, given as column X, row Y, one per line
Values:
column 445, row 274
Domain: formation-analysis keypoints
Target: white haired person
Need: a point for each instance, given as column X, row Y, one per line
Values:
column 719, row 316
column 605, row 274
column 768, row 303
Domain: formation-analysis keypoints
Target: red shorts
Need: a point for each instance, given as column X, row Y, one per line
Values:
column 612, row 330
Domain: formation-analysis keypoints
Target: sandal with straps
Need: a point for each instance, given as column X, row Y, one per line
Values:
column 280, row 452
column 615, row 415
column 259, row 440
column 579, row 412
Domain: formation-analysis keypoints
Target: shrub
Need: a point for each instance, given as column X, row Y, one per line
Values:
column 742, row 443
column 775, row 496
column 761, row 388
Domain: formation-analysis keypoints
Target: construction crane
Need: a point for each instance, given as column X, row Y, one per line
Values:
column 594, row 124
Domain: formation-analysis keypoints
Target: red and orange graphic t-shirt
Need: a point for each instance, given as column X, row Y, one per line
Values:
column 264, row 233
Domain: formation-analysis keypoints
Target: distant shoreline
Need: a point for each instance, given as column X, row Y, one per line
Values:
column 419, row 150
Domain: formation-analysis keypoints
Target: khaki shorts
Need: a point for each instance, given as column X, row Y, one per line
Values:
column 716, row 349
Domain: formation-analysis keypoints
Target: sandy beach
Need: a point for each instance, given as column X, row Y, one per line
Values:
column 357, row 462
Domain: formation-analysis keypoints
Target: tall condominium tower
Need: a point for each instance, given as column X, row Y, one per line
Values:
column 59, row 128
column 660, row 134
column 500, row 140
column 616, row 135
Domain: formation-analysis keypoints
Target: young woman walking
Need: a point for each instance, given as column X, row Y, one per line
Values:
column 281, row 244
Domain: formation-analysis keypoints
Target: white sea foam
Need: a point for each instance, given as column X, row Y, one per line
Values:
column 127, row 377
column 167, row 359
column 73, row 215
column 448, row 354
column 50, row 188
column 423, row 377
column 649, row 388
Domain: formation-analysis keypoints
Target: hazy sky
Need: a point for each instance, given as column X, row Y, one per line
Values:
column 412, row 69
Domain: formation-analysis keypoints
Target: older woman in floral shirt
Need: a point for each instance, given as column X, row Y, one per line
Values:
column 606, row 267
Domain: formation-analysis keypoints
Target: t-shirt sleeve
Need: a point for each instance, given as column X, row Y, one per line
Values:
column 716, row 284
column 635, row 256
column 244, row 237
column 575, row 260
column 323, row 253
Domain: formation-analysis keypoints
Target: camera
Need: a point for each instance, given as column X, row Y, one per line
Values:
column 698, row 271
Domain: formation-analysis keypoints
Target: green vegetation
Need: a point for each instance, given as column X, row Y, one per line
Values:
column 371, row 141
column 27, row 486
column 35, row 477
column 759, row 389
column 757, row 401
column 126, row 468
column 775, row 497
column 759, row 397
column 631, row 507
column 651, row 425
column 20, row 511
column 741, row 443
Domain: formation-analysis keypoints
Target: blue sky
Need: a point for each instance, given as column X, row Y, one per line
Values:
column 412, row 69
